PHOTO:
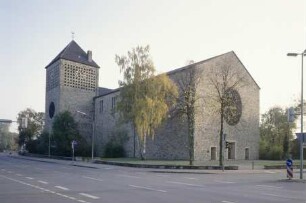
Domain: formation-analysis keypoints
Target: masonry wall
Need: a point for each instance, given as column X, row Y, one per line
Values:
column 245, row 134
column 171, row 140
column 72, row 95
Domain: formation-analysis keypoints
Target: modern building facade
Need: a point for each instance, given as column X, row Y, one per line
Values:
column 72, row 84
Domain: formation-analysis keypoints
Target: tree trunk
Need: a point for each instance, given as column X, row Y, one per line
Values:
column 190, row 122
column 134, row 139
column 221, row 164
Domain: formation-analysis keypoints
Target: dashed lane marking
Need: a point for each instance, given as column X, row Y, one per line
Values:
column 147, row 188
column 190, row 178
column 188, row 184
column 30, row 178
column 271, row 172
column 62, row 188
column 90, row 196
column 44, row 189
column 43, row 182
column 226, row 182
column 269, row 186
column 18, row 174
column 227, row 201
column 128, row 176
column 97, row 179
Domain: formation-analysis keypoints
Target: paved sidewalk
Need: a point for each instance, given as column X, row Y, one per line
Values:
column 92, row 165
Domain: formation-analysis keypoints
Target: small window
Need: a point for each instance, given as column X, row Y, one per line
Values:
column 101, row 106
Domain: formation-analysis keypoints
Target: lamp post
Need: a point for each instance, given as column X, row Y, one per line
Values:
column 93, row 133
column 302, row 110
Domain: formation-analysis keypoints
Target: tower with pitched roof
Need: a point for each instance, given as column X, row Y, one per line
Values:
column 71, row 84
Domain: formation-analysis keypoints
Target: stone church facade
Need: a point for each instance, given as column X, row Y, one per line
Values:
column 72, row 84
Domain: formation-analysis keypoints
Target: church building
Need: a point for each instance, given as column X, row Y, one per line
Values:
column 72, row 85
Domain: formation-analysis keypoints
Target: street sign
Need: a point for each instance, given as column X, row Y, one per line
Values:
column 289, row 162
column 73, row 144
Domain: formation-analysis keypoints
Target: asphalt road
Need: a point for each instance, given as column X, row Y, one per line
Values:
column 29, row 181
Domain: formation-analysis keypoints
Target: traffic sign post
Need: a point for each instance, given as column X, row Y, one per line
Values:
column 73, row 144
column 289, row 166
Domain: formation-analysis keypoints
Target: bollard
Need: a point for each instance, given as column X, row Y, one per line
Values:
column 253, row 165
column 289, row 166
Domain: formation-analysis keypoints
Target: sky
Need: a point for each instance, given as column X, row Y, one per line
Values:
column 260, row 32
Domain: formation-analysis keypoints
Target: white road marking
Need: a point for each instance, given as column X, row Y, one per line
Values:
column 227, row 182
column 62, row 188
column 269, row 186
column 97, row 179
column 18, row 174
column 108, row 168
column 128, row 176
column 79, row 200
column 227, row 202
column 190, row 178
column 181, row 183
column 43, row 182
column 160, row 175
column 270, row 172
column 30, row 178
column 271, row 195
column 44, row 189
column 90, row 196
column 147, row 188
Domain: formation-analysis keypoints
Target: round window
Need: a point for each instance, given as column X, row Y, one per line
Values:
column 233, row 107
column 51, row 109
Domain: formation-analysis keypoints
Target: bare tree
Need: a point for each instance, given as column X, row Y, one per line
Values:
column 225, row 79
column 188, row 81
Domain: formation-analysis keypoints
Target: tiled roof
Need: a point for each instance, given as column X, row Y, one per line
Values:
column 73, row 52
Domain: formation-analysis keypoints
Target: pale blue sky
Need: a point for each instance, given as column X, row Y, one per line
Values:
column 260, row 32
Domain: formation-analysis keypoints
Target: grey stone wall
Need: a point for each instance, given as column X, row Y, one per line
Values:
column 246, row 133
column 171, row 140
column 72, row 98
column 52, row 94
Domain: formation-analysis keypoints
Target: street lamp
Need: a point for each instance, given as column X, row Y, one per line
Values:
column 302, row 112
column 93, row 133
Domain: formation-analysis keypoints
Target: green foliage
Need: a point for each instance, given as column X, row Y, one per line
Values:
column 39, row 145
column 145, row 99
column 275, row 134
column 295, row 149
column 268, row 152
column 64, row 131
column 35, row 125
column 115, row 147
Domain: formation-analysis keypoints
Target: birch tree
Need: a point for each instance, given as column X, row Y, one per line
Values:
column 145, row 99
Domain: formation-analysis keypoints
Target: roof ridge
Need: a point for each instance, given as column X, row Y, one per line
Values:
column 197, row 63
column 73, row 52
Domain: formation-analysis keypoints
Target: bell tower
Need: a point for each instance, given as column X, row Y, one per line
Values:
column 71, row 84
